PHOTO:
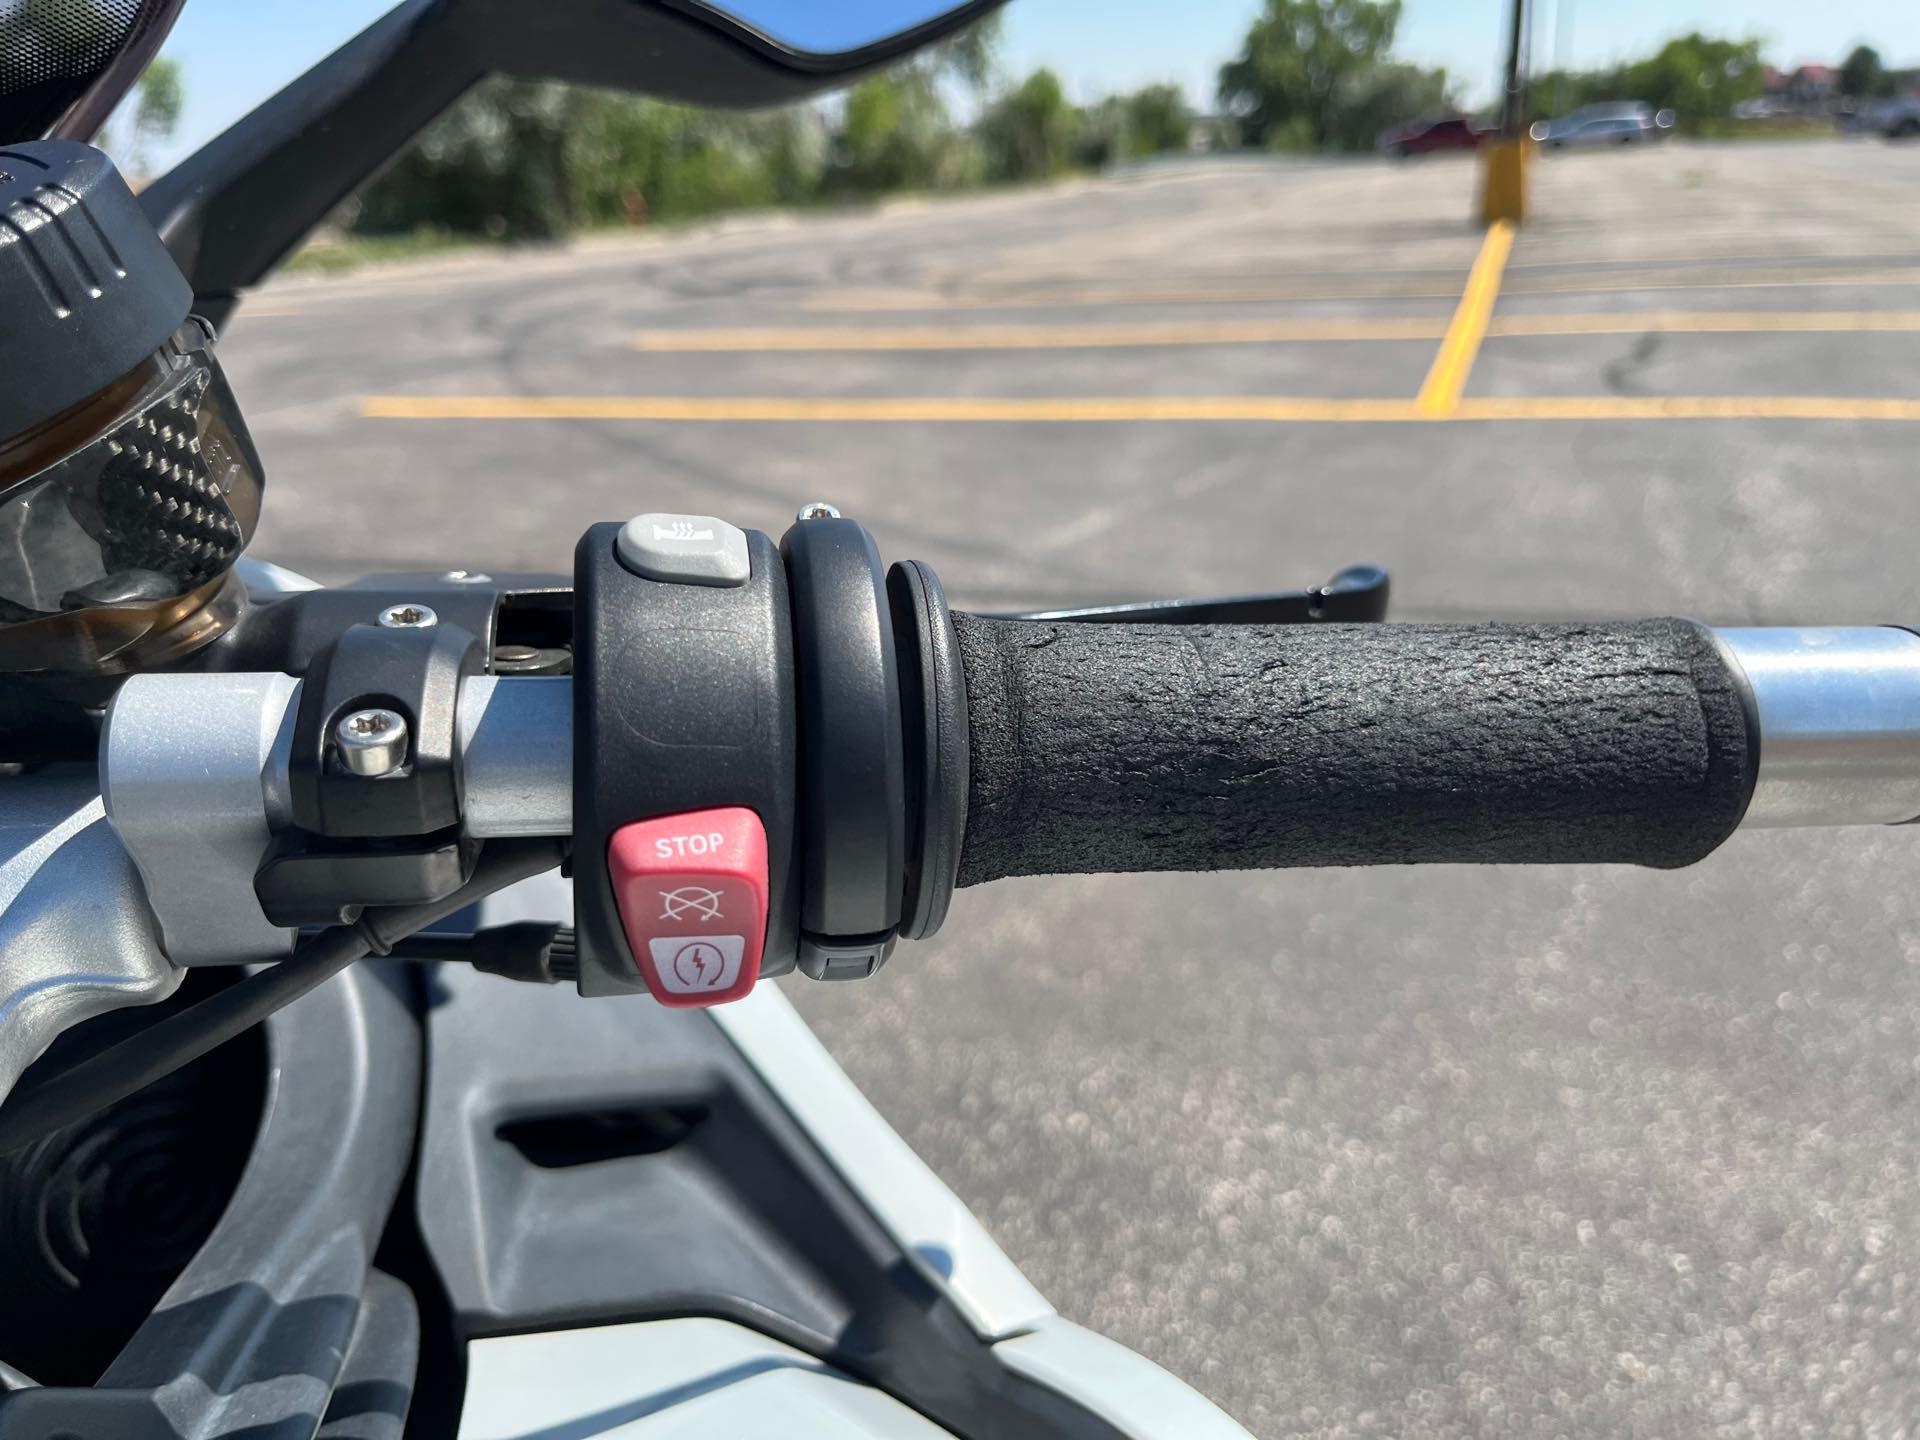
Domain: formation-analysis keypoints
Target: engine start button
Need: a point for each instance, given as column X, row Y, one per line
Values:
column 692, row 893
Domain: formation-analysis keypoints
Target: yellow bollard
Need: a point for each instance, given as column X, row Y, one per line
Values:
column 1503, row 180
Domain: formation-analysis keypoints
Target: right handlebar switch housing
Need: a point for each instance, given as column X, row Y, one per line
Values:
column 770, row 755
column 683, row 707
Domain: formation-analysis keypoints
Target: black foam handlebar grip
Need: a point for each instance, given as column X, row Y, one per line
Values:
column 1143, row 747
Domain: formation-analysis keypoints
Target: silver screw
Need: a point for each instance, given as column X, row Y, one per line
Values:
column 371, row 742
column 467, row 577
column 817, row 510
column 408, row 617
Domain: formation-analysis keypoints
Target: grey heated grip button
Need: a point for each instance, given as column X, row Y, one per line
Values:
column 684, row 549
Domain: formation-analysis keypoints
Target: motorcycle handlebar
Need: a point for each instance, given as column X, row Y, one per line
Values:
column 1145, row 747
column 1109, row 747
column 1085, row 748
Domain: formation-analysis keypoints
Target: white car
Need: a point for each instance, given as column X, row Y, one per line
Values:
column 1595, row 125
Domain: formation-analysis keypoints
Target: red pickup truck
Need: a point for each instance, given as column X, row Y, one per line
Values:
column 1423, row 137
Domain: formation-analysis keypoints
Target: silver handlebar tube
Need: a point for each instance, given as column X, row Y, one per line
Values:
column 1837, row 712
column 516, row 743
column 194, row 772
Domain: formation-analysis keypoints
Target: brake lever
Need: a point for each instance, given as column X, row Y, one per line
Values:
column 1357, row 595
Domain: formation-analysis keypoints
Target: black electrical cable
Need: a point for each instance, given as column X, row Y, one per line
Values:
column 37, row 1109
column 525, row 950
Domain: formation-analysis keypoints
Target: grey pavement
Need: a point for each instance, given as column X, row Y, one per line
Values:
column 1438, row 1152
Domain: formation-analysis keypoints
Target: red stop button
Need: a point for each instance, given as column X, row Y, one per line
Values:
column 692, row 892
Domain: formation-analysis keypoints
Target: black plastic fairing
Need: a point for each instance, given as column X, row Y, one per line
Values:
column 272, row 1315
column 587, row 1164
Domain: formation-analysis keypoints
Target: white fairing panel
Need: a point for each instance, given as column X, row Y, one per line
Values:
column 668, row 1379
column 925, row 1218
column 709, row 1378
column 1128, row 1391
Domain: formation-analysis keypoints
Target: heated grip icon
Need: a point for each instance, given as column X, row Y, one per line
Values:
column 682, row 530
column 690, row 902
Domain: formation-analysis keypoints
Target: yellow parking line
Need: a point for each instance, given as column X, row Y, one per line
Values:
column 1687, row 407
column 1304, row 409
column 887, row 301
column 1709, row 322
column 1793, row 278
column 935, row 408
column 1441, row 391
column 1038, row 337
column 833, row 302
column 1257, row 332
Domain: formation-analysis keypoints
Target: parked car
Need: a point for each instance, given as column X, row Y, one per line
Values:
column 1900, row 119
column 1438, row 132
column 1628, row 122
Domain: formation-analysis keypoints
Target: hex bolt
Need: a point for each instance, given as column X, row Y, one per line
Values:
column 818, row 510
column 408, row 617
column 371, row 742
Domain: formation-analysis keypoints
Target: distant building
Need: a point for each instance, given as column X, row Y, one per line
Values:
column 1813, row 84
column 1809, row 89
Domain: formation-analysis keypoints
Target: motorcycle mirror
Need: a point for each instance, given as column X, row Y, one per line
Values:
column 846, row 32
column 707, row 52
column 64, row 64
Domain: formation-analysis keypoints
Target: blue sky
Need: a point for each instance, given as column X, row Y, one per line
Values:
column 237, row 52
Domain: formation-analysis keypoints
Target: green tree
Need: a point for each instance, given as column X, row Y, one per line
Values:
column 632, row 160
column 972, row 56
column 1699, row 77
column 1382, row 97
column 894, row 134
column 149, row 116
column 1150, row 121
column 1158, row 120
column 1029, row 133
column 493, row 165
column 1863, row 77
column 1555, row 92
column 1300, row 60
column 1104, row 134
column 160, row 96
column 531, row 161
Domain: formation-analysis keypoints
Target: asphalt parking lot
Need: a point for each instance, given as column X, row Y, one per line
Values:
column 1439, row 1152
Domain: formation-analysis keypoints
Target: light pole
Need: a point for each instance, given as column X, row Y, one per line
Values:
column 1503, row 161
column 1512, row 116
